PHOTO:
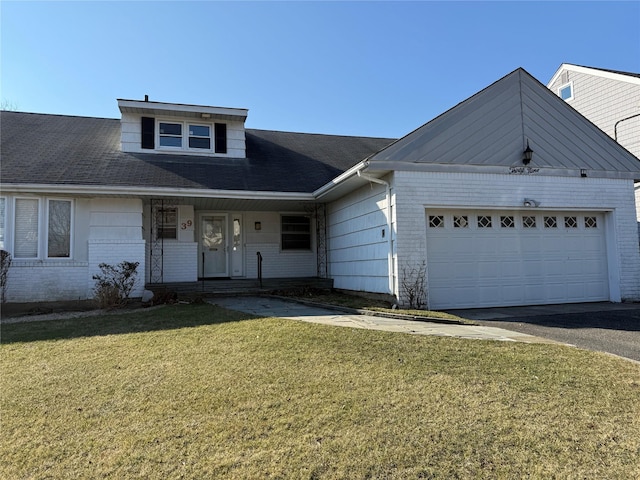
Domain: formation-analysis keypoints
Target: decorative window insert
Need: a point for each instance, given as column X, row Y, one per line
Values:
column 460, row 221
column 3, row 216
column 590, row 222
column 26, row 228
column 529, row 221
column 170, row 134
column 296, row 232
column 550, row 222
column 166, row 223
column 200, row 137
column 484, row 221
column 59, row 229
column 507, row 221
column 566, row 91
column 571, row 222
column 436, row 221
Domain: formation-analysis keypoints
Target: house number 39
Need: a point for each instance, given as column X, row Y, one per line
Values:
column 185, row 225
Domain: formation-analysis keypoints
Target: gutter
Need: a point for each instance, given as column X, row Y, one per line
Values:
column 389, row 224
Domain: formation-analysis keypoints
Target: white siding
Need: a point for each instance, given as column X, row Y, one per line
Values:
column 358, row 251
column 131, row 136
column 416, row 191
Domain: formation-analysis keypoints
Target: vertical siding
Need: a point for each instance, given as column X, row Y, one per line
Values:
column 357, row 250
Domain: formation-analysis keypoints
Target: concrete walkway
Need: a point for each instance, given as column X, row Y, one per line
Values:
column 275, row 307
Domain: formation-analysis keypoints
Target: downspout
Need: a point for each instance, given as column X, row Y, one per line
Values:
column 615, row 127
column 389, row 226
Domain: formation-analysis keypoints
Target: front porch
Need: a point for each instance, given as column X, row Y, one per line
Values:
column 230, row 287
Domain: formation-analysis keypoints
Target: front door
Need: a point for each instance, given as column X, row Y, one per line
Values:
column 213, row 246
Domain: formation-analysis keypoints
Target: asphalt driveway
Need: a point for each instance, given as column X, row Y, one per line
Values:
column 605, row 327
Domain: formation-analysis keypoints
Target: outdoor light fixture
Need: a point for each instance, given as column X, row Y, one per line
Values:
column 527, row 155
column 530, row 202
column 205, row 115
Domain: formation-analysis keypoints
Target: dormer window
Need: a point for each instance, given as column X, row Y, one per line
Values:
column 170, row 134
column 192, row 136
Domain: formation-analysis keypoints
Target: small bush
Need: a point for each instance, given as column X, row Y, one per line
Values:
column 115, row 283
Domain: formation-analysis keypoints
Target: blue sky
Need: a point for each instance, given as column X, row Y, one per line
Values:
column 350, row 68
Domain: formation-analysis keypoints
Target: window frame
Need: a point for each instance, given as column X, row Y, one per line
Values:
column 284, row 248
column 218, row 136
column 71, row 226
column 156, row 228
column 3, row 224
column 563, row 87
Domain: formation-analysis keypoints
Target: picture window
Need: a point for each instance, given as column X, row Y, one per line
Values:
column 59, row 229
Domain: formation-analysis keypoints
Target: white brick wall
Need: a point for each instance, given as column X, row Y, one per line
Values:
column 39, row 281
column 180, row 262
column 416, row 191
column 113, row 252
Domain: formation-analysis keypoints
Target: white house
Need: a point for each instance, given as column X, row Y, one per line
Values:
column 190, row 193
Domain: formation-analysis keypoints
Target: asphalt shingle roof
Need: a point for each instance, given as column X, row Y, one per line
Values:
column 66, row 150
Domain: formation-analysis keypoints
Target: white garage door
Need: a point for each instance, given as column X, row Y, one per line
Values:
column 489, row 258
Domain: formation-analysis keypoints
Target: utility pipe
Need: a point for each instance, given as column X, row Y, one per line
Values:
column 389, row 227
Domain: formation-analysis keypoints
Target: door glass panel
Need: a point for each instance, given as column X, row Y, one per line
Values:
column 213, row 246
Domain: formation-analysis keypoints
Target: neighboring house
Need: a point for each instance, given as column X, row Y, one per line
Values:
column 190, row 193
column 608, row 98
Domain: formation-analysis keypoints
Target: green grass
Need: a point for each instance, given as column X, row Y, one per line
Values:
column 195, row 391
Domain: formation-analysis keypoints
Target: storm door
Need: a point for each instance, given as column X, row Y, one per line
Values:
column 213, row 246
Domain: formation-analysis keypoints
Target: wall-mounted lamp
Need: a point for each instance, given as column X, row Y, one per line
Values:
column 527, row 155
column 205, row 115
column 530, row 202
column 257, row 225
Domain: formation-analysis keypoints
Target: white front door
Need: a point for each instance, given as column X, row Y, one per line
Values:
column 213, row 246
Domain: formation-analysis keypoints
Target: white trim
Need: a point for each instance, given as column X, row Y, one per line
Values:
column 562, row 87
column 161, row 108
column 138, row 191
column 593, row 71
column 3, row 223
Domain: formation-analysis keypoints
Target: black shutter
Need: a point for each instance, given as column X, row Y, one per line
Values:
column 148, row 132
column 221, row 137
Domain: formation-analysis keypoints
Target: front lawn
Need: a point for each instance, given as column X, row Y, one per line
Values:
column 195, row 391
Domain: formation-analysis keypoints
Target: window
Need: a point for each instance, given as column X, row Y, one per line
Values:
column 166, row 223
column 170, row 134
column 3, row 217
column 26, row 228
column 484, row 221
column 59, row 229
column 529, row 222
column 507, row 222
column 460, row 221
column 566, row 91
column 200, row 136
column 296, row 232
column 550, row 222
column 571, row 222
column 590, row 222
column 436, row 221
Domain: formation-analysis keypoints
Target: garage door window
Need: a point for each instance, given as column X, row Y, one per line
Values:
column 484, row 221
column 590, row 222
column 550, row 222
column 460, row 221
column 507, row 221
column 529, row 221
column 570, row 222
column 436, row 221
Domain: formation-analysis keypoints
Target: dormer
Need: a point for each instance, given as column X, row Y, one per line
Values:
column 171, row 128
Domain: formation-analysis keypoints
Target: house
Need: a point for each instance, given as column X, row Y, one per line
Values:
column 608, row 98
column 509, row 198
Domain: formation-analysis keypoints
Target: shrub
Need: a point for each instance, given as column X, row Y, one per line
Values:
column 413, row 283
column 5, row 263
column 115, row 283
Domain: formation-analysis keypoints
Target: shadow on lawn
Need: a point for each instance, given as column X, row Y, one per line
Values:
column 623, row 320
column 168, row 317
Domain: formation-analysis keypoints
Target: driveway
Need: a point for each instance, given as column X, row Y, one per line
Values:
column 604, row 327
